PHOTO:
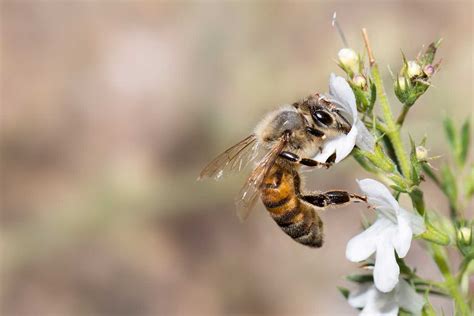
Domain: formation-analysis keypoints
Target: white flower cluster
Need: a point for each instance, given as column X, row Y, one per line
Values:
column 392, row 230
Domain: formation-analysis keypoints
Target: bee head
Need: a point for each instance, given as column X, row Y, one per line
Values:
column 329, row 119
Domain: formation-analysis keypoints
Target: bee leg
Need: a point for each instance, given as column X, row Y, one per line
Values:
column 333, row 198
column 303, row 161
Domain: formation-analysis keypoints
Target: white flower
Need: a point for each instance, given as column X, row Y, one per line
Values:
column 392, row 231
column 341, row 94
column 413, row 69
column 348, row 58
column 376, row 303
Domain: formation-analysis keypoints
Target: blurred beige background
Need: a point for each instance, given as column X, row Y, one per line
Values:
column 110, row 109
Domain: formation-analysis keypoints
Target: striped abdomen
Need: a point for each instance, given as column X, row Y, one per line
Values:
column 280, row 195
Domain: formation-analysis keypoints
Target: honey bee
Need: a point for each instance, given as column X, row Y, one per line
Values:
column 288, row 136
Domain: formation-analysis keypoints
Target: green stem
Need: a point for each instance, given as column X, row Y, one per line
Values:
column 450, row 282
column 431, row 291
column 464, row 265
column 437, row 290
column 403, row 114
column 429, row 283
column 393, row 132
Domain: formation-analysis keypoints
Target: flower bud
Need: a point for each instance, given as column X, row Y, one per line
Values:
column 435, row 235
column 464, row 235
column 413, row 69
column 429, row 70
column 359, row 81
column 402, row 83
column 421, row 153
column 349, row 59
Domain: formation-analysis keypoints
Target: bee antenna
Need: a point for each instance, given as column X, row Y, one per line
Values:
column 336, row 24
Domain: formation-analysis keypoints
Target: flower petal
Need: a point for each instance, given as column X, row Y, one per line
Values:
column 387, row 303
column 364, row 140
column 416, row 221
column 408, row 298
column 346, row 144
column 402, row 239
column 381, row 304
column 386, row 270
column 341, row 145
column 329, row 148
column 364, row 245
column 340, row 90
column 360, row 297
column 378, row 194
column 341, row 94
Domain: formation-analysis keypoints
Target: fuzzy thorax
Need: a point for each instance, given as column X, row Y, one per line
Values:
column 287, row 118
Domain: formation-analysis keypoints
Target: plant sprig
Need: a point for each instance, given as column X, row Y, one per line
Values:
column 406, row 172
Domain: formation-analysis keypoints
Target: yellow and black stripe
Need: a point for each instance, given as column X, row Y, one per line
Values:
column 280, row 195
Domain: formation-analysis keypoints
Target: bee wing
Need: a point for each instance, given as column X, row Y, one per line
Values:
column 236, row 157
column 251, row 189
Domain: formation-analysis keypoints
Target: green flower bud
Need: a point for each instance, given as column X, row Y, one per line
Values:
column 421, row 153
column 349, row 59
column 359, row 81
column 464, row 235
column 434, row 234
column 402, row 83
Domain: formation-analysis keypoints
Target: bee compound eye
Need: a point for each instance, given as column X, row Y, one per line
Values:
column 322, row 117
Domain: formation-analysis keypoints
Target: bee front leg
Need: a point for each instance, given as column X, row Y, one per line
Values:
column 304, row 161
column 333, row 198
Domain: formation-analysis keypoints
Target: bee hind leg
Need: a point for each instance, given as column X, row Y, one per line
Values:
column 303, row 161
column 333, row 198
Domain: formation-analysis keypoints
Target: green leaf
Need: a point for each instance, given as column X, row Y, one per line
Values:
column 398, row 188
column 363, row 161
column 449, row 186
column 429, row 55
column 416, row 166
column 423, row 141
column 450, row 133
column 429, row 172
column 470, row 183
column 360, row 278
column 428, row 309
column 404, row 269
column 416, row 196
column 380, row 159
column 373, row 96
column 344, row 291
column 361, row 62
column 434, row 234
column 464, row 149
column 449, row 183
column 361, row 99
column 404, row 312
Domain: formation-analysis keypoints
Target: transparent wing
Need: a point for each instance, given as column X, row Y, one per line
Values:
column 234, row 158
column 251, row 189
